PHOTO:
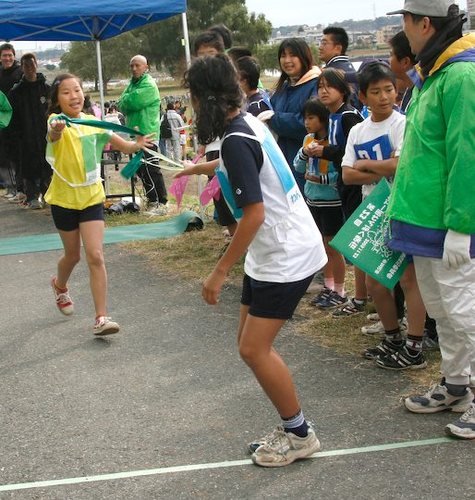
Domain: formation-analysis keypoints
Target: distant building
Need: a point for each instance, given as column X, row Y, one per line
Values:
column 471, row 13
column 386, row 33
column 361, row 39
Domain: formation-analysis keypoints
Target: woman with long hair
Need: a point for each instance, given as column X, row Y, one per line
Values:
column 297, row 83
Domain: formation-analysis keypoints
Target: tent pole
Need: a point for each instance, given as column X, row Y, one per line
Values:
column 186, row 39
column 186, row 42
column 99, row 74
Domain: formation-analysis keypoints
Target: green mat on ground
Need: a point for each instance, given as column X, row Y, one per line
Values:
column 118, row 234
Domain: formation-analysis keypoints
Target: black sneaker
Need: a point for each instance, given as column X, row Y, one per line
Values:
column 402, row 360
column 349, row 308
column 322, row 296
column 384, row 348
column 333, row 300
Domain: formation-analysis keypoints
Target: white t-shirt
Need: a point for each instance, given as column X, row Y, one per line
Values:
column 288, row 245
column 371, row 140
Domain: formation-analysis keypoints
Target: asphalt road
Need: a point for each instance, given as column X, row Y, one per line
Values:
column 164, row 409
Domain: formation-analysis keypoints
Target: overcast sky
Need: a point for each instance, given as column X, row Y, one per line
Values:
column 311, row 12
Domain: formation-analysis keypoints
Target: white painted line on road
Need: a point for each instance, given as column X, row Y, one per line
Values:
column 216, row 465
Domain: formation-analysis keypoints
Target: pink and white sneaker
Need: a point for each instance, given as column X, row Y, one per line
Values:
column 105, row 326
column 63, row 299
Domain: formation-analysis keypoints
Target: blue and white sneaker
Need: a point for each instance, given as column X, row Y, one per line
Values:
column 437, row 398
column 322, row 296
column 464, row 427
column 332, row 301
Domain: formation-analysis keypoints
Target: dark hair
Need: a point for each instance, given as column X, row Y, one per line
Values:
column 315, row 107
column 249, row 70
column 374, row 72
column 401, row 48
column 214, row 87
column 112, row 107
column 236, row 53
column 87, row 106
column 53, row 104
column 170, row 105
column 208, row 38
column 225, row 33
column 335, row 78
column 30, row 56
column 339, row 37
column 7, row 46
column 299, row 48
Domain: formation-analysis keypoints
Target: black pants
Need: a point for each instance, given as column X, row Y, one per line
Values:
column 153, row 182
column 36, row 178
column 399, row 300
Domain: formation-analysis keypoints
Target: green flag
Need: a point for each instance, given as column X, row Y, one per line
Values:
column 5, row 111
column 362, row 239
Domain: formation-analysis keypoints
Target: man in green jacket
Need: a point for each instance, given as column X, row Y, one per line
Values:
column 140, row 103
column 432, row 208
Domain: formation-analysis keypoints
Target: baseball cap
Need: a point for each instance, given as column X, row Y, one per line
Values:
column 429, row 8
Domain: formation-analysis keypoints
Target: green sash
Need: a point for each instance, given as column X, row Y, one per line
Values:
column 362, row 239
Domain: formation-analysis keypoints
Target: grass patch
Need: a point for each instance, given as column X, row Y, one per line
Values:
column 191, row 255
column 343, row 335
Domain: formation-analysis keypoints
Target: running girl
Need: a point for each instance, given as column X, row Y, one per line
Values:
column 284, row 247
column 76, row 194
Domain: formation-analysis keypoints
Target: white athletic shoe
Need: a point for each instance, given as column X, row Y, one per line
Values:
column 105, row 326
column 285, row 447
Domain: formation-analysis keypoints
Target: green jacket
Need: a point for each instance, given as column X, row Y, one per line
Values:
column 5, row 110
column 140, row 103
column 435, row 178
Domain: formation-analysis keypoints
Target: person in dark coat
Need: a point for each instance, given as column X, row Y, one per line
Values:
column 297, row 83
column 29, row 100
column 10, row 73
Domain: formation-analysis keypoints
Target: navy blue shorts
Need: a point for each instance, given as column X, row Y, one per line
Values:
column 328, row 219
column 68, row 219
column 267, row 299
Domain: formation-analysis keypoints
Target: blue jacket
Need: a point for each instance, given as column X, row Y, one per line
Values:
column 287, row 121
column 323, row 193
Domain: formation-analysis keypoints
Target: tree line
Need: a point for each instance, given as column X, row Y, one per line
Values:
column 161, row 42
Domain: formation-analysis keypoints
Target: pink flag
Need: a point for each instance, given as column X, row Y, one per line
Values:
column 211, row 190
column 178, row 188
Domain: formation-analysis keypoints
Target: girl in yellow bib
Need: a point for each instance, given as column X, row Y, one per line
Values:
column 76, row 194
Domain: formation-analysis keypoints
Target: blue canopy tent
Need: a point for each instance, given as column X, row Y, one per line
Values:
column 83, row 20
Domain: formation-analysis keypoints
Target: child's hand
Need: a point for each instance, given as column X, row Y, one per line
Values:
column 361, row 166
column 311, row 177
column 188, row 170
column 57, row 126
column 311, row 149
column 212, row 287
column 144, row 141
